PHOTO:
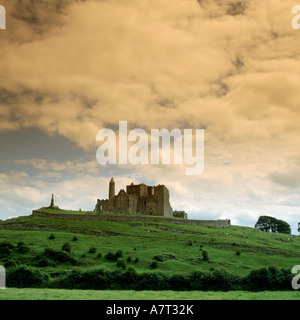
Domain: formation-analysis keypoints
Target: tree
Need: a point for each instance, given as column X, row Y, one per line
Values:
column 271, row 224
column 205, row 255
column 283, row 227
column 265, row 223
column 66, row 247
column 298, row 227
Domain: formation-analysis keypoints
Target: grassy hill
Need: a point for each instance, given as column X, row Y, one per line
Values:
column 177, row 248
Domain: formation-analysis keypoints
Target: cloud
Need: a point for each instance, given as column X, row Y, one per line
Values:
column 74, row 67
column 193, row 61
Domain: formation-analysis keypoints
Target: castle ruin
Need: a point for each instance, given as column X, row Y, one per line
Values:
column 138, row 199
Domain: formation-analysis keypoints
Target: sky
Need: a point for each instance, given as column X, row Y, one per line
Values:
column 71, row 68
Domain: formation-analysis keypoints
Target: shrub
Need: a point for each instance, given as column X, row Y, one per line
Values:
column 268, row 279
column 10, row 264
column 26, row 277
column 60, row 256
column 52, row 236
column 6, row 244
column 152, row 281
column 119, row 254
column 66, row 247
column 159, row 258
column 238, row 252
column 4, row 252
column 121, row 263
column 115, row 257
column 92, row 250
column 129, row 259
column 153, row 265
column 99, row 255
column 20, row 244
column 75, row 238
column 136, row 260
column 5, row 249
column 205, row 255
column 44, row 262
column 22, row 248
column 218, row 280
column 179, row 282
column 110, row 256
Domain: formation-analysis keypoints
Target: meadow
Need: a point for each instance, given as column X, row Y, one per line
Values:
column 175, row 249
column 62, row 294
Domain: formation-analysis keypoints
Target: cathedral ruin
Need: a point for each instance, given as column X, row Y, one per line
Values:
column 138, row 199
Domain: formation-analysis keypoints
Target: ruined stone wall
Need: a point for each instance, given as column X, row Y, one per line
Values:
column 117, row 217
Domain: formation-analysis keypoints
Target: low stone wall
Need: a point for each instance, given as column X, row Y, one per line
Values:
column 119, row 217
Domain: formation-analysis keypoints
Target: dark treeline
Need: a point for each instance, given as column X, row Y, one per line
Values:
column 270, row 278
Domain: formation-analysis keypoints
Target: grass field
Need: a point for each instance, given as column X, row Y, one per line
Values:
column 55, row 294
column 236, row 249
column 180, row 245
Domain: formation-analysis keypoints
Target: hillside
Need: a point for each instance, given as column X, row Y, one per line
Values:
column 177, row 248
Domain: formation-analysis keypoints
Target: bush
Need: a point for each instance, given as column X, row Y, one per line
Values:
column 10, row 264
column 121, row 263
column 110, row 256
column 129, row 259
column 218, row 280
column 66, row 247
column 20, row 244
column 99, row 255
column 205, row 255
column 179, row 282
column 5, row 249
column 92, row 250
column 153, row 281
column 154, row 265
column 60, row 256
column 119, row 254
column 268, row 279
column 159, row 258
column 26, row 277
column 136, row 260
column 238, row 253
column 75, row 238
column 44, row 262
column 52, row 236
column 22, row 248
column 114, row 257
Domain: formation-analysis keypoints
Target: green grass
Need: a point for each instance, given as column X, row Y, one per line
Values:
column 144, row 240
column 60, row 294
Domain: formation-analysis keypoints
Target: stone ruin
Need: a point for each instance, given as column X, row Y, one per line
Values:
column 138, row 199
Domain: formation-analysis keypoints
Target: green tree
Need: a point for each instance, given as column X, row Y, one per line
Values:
column 271, row 224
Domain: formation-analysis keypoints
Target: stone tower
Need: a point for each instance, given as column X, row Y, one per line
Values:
column 111, row 193
column 52, row 202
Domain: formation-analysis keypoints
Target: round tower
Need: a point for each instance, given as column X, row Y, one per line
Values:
column 111, row 192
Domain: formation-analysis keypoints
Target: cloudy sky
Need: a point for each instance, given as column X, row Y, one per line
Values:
column 70, row 68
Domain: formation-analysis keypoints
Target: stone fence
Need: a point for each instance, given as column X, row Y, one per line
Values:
column 119, row 217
